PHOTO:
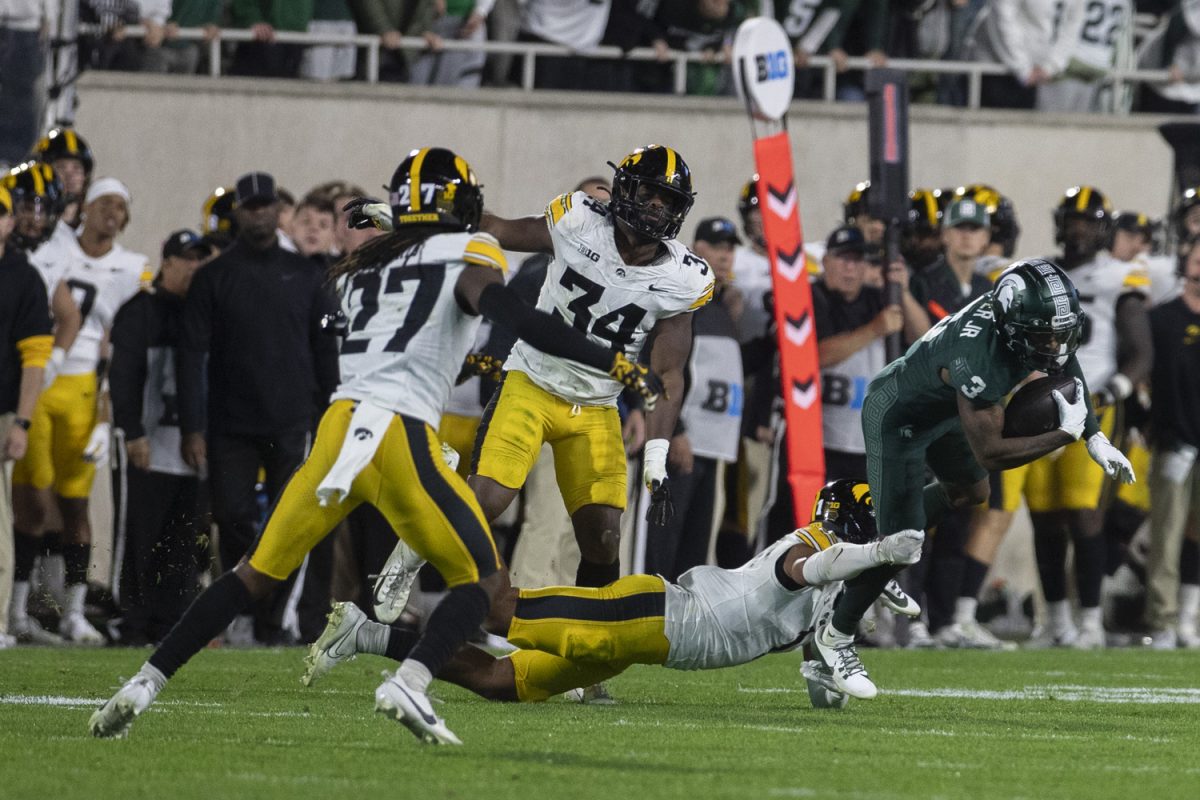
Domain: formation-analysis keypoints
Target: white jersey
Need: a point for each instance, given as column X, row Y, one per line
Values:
column 1101, row 282
column 752, row 277
column 615, row 304
column 408, row 335
column 578, row 24
column 723, row 617
column 99, row 286
column 1105, row 21
column 1165, row 283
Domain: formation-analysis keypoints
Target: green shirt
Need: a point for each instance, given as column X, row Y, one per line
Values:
column 981, row 368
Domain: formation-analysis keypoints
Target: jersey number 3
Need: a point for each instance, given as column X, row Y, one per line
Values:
column 429, row 286
column 615, row 327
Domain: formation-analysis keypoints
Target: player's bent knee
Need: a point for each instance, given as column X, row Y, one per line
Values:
column 970, row 495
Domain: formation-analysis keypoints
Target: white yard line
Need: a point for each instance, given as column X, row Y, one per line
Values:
column 1067, row 692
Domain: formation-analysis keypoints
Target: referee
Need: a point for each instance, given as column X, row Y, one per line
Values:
column 255, row 373
column 25, row 343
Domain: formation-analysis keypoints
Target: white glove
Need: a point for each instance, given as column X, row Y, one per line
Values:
column 903, row 547
column 1071, row 416
column 380, row 214
column 50, row 371
column 98, row 444
column 654, row 470
column 1115, row 464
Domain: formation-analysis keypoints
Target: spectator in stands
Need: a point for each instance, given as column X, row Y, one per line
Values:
column 175, row 55
column 1181, row 58
column 160, row 525
column 327, row 62
column 463, row 20
column 25, row 343
column 697, row 26
column 706, row 436
column 312, row 229
column 951, row 281
column 264, row 57
column 577, row 24
column 860, row 27
column 1172, row 610
column 1031, row 39
column 391, row 20
column 254, row 315
column 110, row 49
column 23, row 29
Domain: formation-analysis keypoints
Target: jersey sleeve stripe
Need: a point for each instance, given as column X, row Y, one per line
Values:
column 35, row 350
column 703, row 299
column 819, row 538
column 557, row 208
column 485, row 254
column 1136, row 280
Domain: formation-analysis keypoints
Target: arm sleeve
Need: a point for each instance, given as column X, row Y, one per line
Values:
column 33, row 312
column 193, row 352
column 127, row 371
column 544, row 332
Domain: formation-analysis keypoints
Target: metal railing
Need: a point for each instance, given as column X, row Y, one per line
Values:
column 974, row 71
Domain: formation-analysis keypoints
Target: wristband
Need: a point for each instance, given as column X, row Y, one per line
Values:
column 22, row 423
column 1120, row 386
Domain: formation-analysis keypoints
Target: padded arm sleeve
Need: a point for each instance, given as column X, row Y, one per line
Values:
column 552, row 336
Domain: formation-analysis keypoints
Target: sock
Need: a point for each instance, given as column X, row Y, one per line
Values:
column 1050, row 547
column 1059, row 613
column 459, row 615
column 1189, row 602
column 76, row 597
column 401, row 641
column 1089, row 617
column 936, row 503
column 154, row 675
column 974, row 573
column 1089, row 569
column 964, row 610
column 52, row 543
column 75, row 559
column 25, row 550
column 1189, row 562
column 378, row 639
column 858, row 595
column 207, row 616
column 18, row 608
column 415, row 674
column 592, row 574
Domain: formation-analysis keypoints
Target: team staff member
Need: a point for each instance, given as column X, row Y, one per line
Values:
column 25, row 343
column 255, row 314
column 158, row 502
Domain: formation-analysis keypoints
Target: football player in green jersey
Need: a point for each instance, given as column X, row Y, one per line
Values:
column 941, row 405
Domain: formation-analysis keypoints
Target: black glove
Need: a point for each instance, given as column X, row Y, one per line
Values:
column 661, row 508
column 335, row 324
column 482, row 365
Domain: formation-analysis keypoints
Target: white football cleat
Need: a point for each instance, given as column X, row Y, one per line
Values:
column 971, row 636
column 112, row 720
column 336, row 644
column 75, row 628
column 849, row 674
column 396, row 699
column 28, row 630
column 1045, row 636
column 822, row 691
column 1089, row 638
column 898, row 601
column 919, row 638
column 394, row 583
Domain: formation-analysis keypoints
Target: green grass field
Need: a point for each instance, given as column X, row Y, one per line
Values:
column 947, row 725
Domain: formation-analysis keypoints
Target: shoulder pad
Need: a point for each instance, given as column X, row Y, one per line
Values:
column 484, row 250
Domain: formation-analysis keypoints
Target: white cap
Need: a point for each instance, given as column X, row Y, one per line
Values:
column 103, row 186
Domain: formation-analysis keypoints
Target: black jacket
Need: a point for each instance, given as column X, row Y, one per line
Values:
column 24, row 313
column 149, row 320
column 256, row 316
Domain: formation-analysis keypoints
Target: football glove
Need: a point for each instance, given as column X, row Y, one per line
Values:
column 98, row 444
column 654, row 474
column 1071, row 416
column 367, row 212
column 1114, row 462
column 640, row 379
column 902, row 547
column 480, row 364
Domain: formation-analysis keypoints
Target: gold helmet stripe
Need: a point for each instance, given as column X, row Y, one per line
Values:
column 6, row 200
column 414, row 180
column 72, row 141
column 930, row 208
column 670, row 164
column 39, row 183
column 1081, row 200
column 464, row 171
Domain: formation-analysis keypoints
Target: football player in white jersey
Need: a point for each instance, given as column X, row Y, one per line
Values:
column 712, row 618
column 1066, row 490
column 70, row 432
column 412, row 303
column 618, row 273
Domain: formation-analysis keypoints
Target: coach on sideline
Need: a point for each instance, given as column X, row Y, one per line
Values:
column 25, row 343
column 254, row 313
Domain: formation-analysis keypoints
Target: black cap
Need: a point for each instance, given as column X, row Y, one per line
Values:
column 255, row 187
column 717, row 230
column 182, row 241
column 846, row 239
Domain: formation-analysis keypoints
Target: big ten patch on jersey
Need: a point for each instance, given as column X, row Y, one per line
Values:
column 589, row 286
column 407, row 336
column 1101, row 284
column 712, row 409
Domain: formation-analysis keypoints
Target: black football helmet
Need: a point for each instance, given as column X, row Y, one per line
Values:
column 1005, row 228
column 435, row 186
column 748, row 197
column 845, row 509
column 1187, row 201
column 1083, row 202
column 216, row 216
column 64, row 143
column 1136, row 222
column 649, row 172
column 856, row 202
column 925, row 210
column 36, row 194
column 1038, row 315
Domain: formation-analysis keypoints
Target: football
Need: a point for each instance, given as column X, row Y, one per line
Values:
column 1032, row 410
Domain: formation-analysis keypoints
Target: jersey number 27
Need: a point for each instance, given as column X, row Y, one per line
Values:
column 428, row 287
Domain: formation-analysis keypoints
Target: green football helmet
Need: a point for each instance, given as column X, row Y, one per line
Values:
column 1038, row 315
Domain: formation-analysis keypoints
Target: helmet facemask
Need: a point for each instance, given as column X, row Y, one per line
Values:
column 650, row 207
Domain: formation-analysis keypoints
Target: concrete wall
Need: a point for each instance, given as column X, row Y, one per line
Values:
column 175, row 139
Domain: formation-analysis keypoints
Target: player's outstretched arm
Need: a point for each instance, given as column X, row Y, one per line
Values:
column 524, row 234
column 983, row 426
column 843, row 561
column 671, row 349
column 481, row 290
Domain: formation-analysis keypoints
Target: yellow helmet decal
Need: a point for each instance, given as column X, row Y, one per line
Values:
column 414, row 180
